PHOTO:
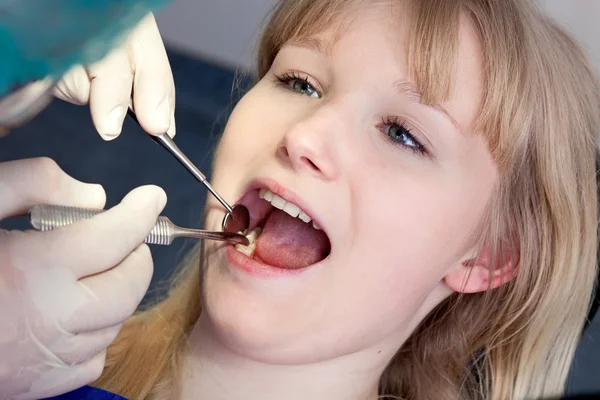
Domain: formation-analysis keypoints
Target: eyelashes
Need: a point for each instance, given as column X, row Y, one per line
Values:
column 395, row 130
column 398, row 133
column 294, row 82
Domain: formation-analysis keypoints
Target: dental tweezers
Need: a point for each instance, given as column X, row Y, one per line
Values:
column 48, row 217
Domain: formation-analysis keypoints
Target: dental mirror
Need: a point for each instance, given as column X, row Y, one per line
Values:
column 238, row 220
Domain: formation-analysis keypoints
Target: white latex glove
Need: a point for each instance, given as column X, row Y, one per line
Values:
column 64, row 294
column 140, row 63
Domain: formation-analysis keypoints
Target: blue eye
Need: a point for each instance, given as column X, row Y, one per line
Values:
column 399, row 134
column 294, row 82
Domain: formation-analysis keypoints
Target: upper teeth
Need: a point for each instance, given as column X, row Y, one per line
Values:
column 285, row 206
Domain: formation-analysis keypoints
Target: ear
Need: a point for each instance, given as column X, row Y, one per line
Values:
column 481, row 273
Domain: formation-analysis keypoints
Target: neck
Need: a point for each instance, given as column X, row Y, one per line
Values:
column 214, row 372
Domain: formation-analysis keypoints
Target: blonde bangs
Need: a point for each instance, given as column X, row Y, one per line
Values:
column 433, row 48
column 504, row 117
column 291, row 20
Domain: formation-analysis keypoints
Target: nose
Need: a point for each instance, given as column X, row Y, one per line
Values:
column 309, row 146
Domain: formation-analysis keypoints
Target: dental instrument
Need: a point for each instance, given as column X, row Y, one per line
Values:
column 48, row 217
column 237, row 219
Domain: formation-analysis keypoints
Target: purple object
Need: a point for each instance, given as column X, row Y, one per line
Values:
column 88, row 393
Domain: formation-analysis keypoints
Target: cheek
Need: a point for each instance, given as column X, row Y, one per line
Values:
column 409, row 221
column 254, row 127
column 244, row 135
column 419, row 214
column 407, row 237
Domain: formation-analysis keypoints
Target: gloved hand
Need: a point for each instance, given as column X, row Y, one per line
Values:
column 64, row 294
column 140, row 63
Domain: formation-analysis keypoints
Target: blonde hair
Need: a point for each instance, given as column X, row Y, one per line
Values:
column 539, row 115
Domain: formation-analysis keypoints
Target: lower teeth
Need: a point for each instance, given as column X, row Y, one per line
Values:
column 252, row 236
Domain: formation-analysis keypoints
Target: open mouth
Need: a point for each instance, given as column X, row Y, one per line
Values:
column 281, row 234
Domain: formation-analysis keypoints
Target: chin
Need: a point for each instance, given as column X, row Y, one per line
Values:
column 264, row 319
column 278, row 321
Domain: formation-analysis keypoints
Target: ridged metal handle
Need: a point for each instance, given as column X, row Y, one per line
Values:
column 161, row 234
column 48, row 217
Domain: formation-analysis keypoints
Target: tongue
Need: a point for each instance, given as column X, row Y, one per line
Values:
column 288, row 242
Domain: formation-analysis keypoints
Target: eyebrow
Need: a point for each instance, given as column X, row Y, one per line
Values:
column 312, row 43
column 410, row 91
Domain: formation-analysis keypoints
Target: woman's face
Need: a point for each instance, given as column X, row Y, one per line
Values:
column 337, row 129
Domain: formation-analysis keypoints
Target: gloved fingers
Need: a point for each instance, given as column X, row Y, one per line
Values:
column 50, row 381
column 173, row 128
column 74, row 86
column 25, row 183
column 113, row 295
column 95, row 245
column 110, row 92
column 153, row 86
column 19, row 385
column 77, row 349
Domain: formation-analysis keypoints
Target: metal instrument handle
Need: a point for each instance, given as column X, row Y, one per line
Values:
column 48, row 217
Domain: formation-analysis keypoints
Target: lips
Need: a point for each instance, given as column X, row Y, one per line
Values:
column 258, row 268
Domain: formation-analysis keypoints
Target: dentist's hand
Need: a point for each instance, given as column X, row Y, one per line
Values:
column 140, row 64
column 64, row 294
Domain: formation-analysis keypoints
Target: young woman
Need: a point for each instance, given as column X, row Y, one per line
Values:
column 443, row 154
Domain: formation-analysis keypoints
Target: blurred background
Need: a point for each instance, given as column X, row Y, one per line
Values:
column 209, row 42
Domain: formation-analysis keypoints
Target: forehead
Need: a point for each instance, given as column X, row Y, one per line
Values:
column 375, row 41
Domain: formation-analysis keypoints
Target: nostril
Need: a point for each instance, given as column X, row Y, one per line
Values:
column 296, row 158
column 310, row 163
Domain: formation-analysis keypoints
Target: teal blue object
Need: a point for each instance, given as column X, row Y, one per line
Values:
column 40, row 38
